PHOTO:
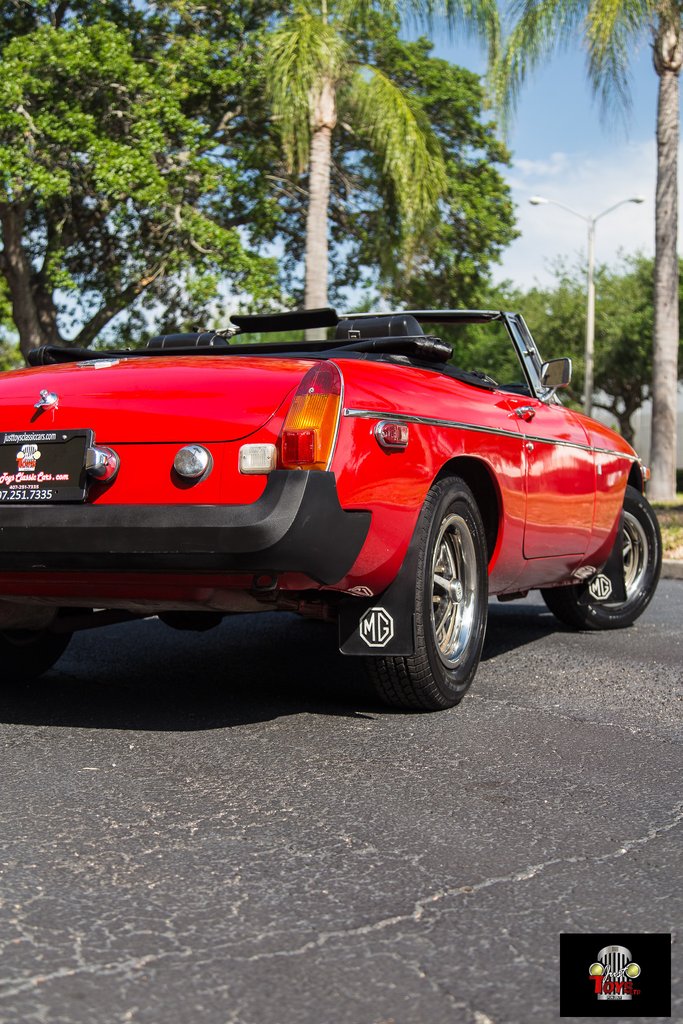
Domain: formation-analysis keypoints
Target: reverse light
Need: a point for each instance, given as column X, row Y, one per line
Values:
column 310, row 427
column 192, row 461
column 257, row 458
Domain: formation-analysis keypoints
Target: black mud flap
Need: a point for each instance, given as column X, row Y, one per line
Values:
column 608, row 585
column 382, row 625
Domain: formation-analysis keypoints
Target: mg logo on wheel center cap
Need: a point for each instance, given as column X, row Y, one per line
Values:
column 376, row 627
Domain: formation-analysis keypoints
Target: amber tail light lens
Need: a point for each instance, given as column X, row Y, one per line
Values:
column 310, row 427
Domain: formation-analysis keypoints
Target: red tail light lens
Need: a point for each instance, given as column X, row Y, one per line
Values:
column 298, row 447
column 310, row 428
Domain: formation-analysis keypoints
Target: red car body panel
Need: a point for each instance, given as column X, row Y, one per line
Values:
column 550, row 506
column 557, row 478
column 155, row 400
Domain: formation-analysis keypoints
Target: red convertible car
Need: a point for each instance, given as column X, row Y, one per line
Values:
column 368, row 477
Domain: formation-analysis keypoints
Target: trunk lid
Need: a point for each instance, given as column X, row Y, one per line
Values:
column 153, row 400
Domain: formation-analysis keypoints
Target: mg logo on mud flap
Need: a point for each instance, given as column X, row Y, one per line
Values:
column 601, row 587
column 376, row 627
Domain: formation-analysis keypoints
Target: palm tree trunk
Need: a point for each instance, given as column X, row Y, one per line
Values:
column 324, row 121
column 667, row 60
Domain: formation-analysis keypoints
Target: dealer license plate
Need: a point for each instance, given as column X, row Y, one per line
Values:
column 43, row 466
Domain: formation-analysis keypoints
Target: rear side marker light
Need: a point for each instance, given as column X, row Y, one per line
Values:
column 192, row 462
column 310, row 428
column 257, row 458
column 392, row 436
column 102, row 463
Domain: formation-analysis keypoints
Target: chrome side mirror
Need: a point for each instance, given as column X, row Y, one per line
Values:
column 556, row 373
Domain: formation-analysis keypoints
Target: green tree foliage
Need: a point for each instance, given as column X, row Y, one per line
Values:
column 131, row 169
column 142, row 176
column 10, row 356
column 612, row 31
column 323, row 73
column 448, row 263
column 623, row 332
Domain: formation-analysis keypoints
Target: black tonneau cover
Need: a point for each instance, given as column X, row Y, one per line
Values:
column 365, row 334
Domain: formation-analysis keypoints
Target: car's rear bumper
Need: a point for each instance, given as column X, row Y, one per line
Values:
column 297, row 525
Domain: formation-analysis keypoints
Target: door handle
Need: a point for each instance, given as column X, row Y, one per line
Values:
column 525, row 412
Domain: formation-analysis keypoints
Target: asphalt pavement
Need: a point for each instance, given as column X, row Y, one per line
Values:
column 225, row 828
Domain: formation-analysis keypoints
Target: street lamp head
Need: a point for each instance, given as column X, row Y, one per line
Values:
column 637, row 199
column 538, row 200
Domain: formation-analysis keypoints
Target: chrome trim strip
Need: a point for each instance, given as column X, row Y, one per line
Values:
column 333, row 447
column 430, row 421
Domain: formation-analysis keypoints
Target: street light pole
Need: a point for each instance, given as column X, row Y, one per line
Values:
column 590, row 286
column 590, row 322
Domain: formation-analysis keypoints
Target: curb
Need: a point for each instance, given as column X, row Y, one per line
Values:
column 672, row 569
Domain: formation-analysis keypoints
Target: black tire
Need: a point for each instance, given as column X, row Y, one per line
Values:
column 26, row 654
column 450, row 620
column 576, row 607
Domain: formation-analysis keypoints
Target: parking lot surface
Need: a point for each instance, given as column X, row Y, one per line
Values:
column 225, row 827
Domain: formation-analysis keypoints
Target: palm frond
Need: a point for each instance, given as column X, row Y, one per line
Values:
column 539, row 28
column 612, row 28
column 400, row 134
column 358, row 12
column 301, row 53
column 478, row 18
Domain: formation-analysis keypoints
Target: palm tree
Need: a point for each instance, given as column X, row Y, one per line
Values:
column 612, row 30
column 314, row 76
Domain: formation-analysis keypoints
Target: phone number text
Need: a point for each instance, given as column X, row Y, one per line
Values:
column 26, row 495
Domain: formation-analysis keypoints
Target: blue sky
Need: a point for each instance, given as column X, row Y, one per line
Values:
column 564, row 150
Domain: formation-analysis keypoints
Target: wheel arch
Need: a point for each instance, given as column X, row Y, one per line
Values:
column 481, row 481
column 635, row 478
column 579, row 608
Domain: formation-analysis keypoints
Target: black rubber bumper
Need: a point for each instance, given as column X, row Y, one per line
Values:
column 297, row 525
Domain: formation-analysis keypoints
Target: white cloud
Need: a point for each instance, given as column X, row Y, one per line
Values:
column 588, row 184
column 557, row 163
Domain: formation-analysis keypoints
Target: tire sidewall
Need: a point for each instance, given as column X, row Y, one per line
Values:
column 616, row 616
column 26, row 655
column 450, row 496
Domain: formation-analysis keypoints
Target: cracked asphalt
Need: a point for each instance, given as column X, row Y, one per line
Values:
column 226, row 828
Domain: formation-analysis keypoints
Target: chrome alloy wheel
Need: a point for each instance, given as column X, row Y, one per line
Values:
column 447, row 599
column 454, row 575
column 635, row 549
